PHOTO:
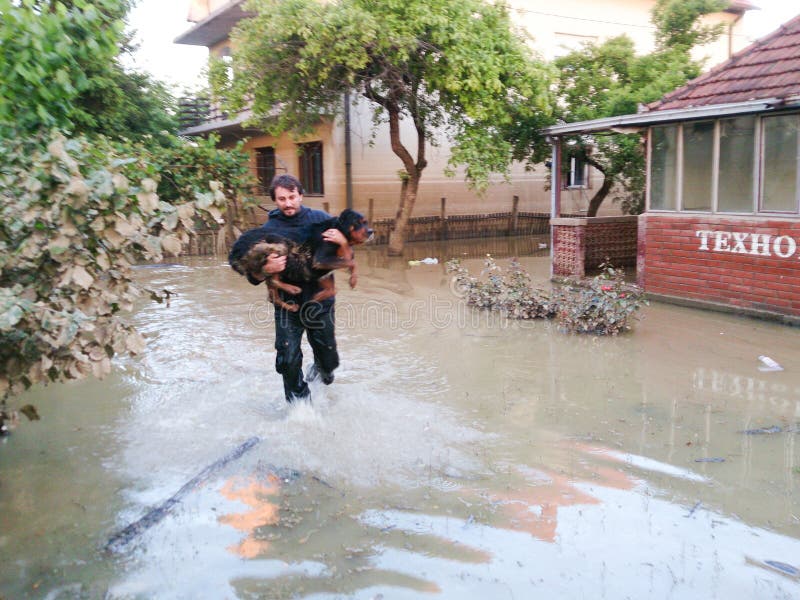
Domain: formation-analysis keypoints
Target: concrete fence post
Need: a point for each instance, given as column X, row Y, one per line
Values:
column 514, row 222
column 443, row 220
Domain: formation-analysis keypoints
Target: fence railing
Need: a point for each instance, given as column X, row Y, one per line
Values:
column 453, row 227
column 420, row 229
column 199, row 110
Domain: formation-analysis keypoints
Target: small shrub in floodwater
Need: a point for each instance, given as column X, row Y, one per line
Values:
column 602, row 305
column 511, row 293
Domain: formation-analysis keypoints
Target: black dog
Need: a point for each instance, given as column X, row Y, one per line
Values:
column 314, row 259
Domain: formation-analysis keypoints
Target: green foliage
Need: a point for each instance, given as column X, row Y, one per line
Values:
column 76, row 213
column 453, row 66
column 137, row 107
column 59, row 71
column 609, row 79
column 604, row 305
column 75, row 216
column 184, row 168
column 677, row 26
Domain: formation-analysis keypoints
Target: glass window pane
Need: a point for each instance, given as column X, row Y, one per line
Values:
column 698, row 148
column 577, row 172
column 311, row 175
column 265, row 169
column 780, row 160
column 663, row 161
column 736, row 151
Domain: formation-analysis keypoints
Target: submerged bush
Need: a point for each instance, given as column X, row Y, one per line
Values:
column 602, row 305
column 510, row 293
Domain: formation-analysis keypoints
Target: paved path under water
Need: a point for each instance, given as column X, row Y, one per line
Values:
column 457, row 455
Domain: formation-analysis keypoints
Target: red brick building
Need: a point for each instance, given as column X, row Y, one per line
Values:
column 721, row 227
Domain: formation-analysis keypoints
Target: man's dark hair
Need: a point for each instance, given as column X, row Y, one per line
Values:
column 290, row 182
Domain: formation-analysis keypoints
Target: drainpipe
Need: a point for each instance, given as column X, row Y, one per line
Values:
column 348, row 161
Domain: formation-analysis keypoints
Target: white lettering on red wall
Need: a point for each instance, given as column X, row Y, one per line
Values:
column 738, row 242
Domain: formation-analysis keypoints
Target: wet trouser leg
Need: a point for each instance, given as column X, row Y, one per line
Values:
column 289, row 358
column 319, row 321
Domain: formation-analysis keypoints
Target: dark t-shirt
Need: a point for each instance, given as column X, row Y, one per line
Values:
column 296, row 229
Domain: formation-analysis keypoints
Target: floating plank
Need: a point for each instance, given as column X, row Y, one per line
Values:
column 118, row 541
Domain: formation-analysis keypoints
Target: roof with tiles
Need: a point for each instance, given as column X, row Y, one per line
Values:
column 768, row 68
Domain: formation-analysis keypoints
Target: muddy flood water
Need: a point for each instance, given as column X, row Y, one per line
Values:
column 457, row 455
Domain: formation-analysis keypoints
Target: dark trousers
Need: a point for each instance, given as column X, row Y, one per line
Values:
column 317, row 321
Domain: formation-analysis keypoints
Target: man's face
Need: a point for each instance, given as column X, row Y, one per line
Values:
column 288, row 201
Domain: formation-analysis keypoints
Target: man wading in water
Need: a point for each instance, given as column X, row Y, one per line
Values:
column 290, row 220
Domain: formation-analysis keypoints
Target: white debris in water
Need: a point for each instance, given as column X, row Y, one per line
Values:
column 768, row 364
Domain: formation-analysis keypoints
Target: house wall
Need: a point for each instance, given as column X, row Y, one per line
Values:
column 557, row 28
column 376, row 168
column 745, row 263
column 200, row 9
column 287, row 161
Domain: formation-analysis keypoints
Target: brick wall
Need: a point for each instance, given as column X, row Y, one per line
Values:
column 611, row 239
column 581, row 245
column 745, row 263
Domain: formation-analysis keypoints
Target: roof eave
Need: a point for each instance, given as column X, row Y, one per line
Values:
column 671, row 115
column 739, row 7
column 219, row 125
column 215, row 27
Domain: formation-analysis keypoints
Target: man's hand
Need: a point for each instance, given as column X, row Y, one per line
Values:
column 335, row 236
column 275, row 264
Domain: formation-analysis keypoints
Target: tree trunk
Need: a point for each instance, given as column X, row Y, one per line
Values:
column 597, row 199
column 413, row 169
column 233, row 221
column 397, row 236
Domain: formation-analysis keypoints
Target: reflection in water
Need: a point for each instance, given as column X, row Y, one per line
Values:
column 262, row 512
column 458, row 454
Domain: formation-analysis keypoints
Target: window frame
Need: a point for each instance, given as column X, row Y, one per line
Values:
column 755, row 166
column 311, row 167
column 575, row 164
column 262, row 172
column 758, row 167
column 762, row 170
column 712, row 200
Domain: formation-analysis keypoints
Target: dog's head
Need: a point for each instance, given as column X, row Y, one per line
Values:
column 355, row 227
column 249, row 253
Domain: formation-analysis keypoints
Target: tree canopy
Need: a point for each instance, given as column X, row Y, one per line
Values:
column 60, row 70
column 609, row 79
column 453, row 66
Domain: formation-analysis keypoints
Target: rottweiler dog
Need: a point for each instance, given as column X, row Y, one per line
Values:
column 314, row 259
